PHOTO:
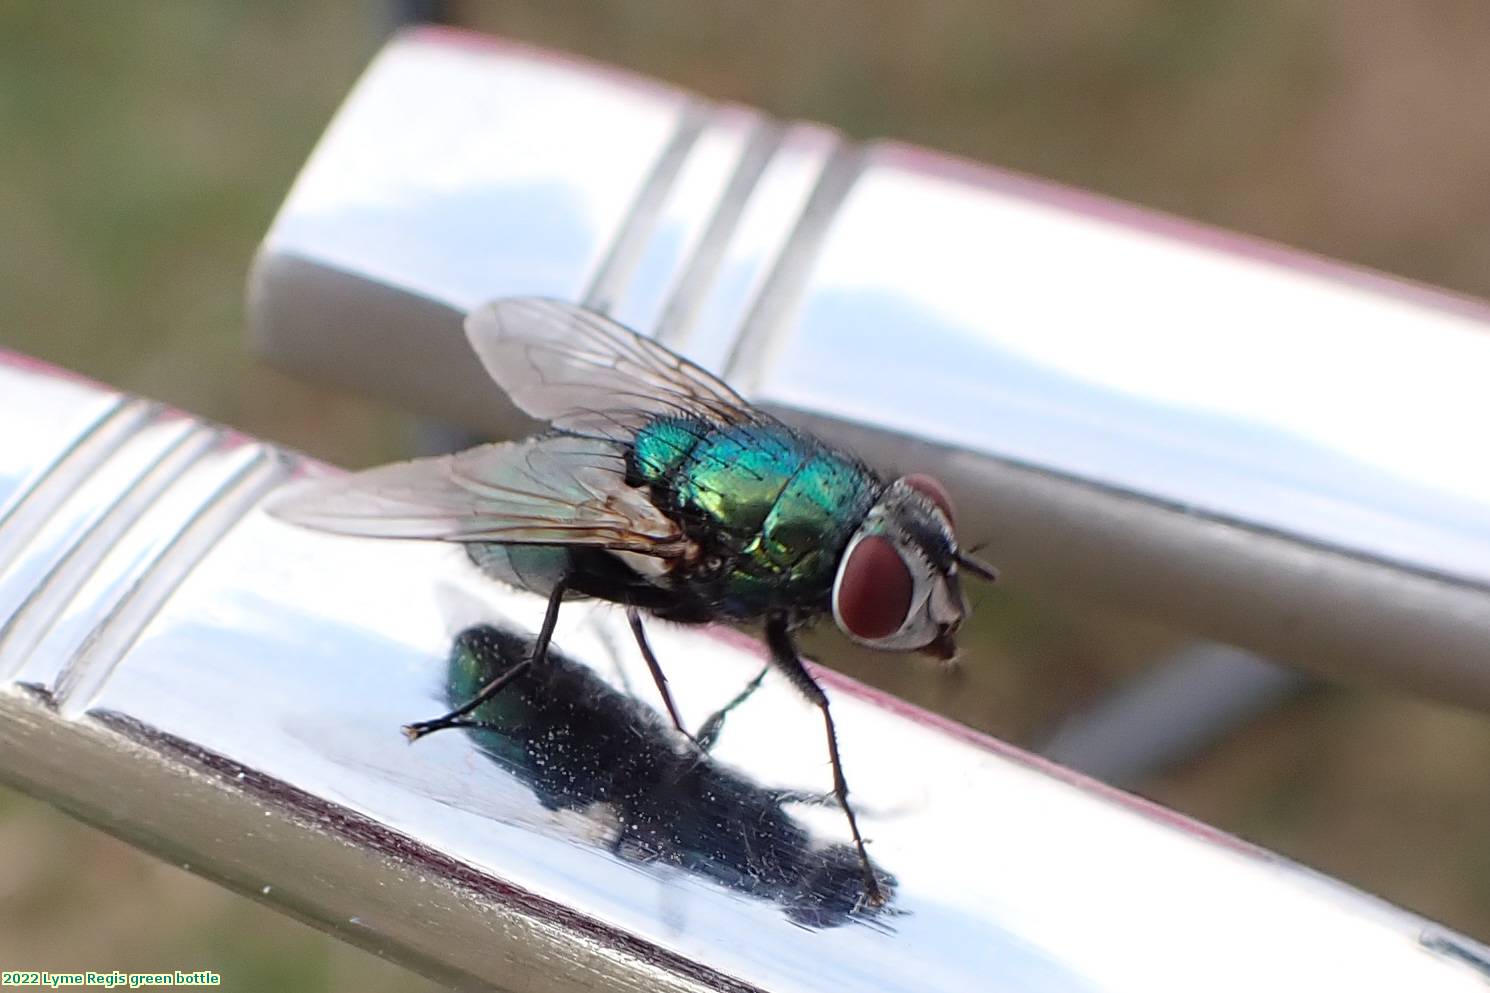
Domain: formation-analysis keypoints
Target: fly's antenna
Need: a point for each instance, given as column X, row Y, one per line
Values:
column 977, row 567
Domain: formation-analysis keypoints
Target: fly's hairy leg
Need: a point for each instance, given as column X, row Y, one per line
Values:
column 658, row 677
column 538, row 657
column 710, row 730
column 784, row 656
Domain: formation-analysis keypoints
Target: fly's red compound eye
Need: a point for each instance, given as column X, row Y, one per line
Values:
column 932, row 490
column 874, row 592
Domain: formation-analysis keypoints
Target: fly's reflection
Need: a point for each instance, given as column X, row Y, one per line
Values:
column 578, row 743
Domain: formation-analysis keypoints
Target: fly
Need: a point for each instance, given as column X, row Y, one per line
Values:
column 660, row 489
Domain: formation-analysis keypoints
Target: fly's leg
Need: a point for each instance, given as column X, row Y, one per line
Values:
column 635, row 618
column 539, row 655
column 456, row 718
column 710, row 730
column 784, row 656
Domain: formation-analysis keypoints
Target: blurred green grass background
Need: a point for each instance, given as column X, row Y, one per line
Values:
column 145, row 146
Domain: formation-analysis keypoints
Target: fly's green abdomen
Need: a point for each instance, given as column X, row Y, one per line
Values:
column 535, row 568
column 780, row 505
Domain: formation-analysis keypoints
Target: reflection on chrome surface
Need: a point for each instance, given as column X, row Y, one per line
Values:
column 580, row 744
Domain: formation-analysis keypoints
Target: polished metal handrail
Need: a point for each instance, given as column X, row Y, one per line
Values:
column 1239, row 440
column 226, row 690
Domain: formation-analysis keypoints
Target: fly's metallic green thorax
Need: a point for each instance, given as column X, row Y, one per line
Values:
column 776, row 506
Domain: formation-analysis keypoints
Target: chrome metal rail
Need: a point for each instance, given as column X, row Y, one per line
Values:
column 226, row 690
column 1240, row 440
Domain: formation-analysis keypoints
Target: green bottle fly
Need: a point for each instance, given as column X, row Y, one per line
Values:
column 661, row 489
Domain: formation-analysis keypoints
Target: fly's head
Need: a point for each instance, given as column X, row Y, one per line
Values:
column 897, row 586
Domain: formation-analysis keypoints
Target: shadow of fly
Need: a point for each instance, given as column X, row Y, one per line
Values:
column 659, row 488
column 580, row 744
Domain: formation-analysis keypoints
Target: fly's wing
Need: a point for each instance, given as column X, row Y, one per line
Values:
column 587, row 374
column 550, row 490
column 597, row 383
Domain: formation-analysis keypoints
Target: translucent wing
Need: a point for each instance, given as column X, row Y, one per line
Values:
column 585, row 373
column 550, row 490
